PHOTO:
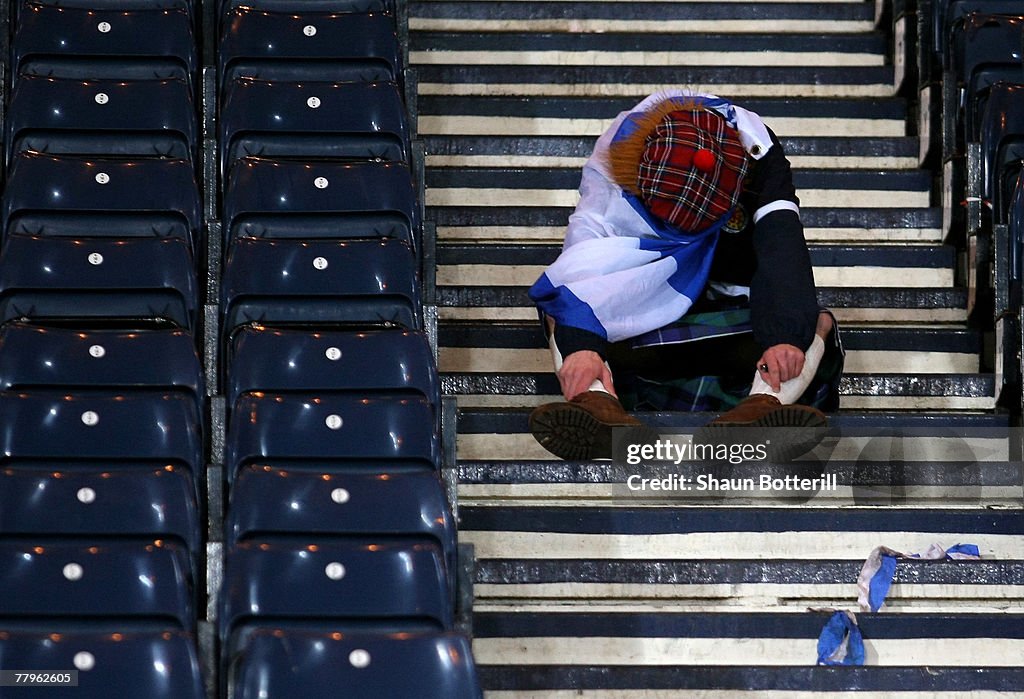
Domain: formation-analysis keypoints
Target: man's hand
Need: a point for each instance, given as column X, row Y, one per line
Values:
column 580, row 369
column 780, row 363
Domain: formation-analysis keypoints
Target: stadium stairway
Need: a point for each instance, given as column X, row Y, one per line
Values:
column 584, row 589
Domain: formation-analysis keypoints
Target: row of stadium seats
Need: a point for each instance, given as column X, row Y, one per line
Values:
column 103, row 391
column 969, row 76
column 340, row 545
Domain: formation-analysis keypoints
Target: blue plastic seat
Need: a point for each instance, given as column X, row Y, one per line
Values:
column 1002, row 145
column 312, row 120
column 129, row 428
column 389, row 585
column 227, row 6
column 309, row 200
column 98, row 501
column 314, row 662
column 331, row 428
column 49, row 584
column 320, row 283
column 268, row 501
column 54, row 35
column 98, row 281
column 33, row 356
column 99, row 112
column 368, row 362
column 115, row 664
column 1015, row 221
column 49, row 195
column 307, row 45
column 985, row 48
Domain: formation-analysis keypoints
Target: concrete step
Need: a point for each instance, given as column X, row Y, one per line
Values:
column 539, row 186
column 521, row 348
column 648, row 17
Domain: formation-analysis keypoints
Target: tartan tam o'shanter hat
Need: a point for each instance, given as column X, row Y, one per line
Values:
column 685, row 163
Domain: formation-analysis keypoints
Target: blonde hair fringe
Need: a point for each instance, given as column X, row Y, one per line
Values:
column 624, row 154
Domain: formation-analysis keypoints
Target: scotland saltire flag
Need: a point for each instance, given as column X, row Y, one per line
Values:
column 841, row 642
column 621, row 287
column 880, row 567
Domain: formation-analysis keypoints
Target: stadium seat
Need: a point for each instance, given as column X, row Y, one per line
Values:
column 305, row 45
column 331, row 428
column 50, row 584
column 131, row 427
column 315, row 120
column 369, row 362
column 49, row 195
column 268, row 501
column 328, row 200
column 34, row 356
column 98, row 500
column 387, row 585
column 1002, row 146
column 112, row 282
column 98, row 112
column 1015, row 221
column 320, row 283
column 984, row 49
column 314, row 662
column 114, row 664
column 227, row 6
column 57, row 35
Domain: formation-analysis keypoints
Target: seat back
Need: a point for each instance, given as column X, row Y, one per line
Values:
column 269, row 501
column 33, row 356
column 94, row 426
column 319, row 283
column 331, row 427
column 317, row 45
column 155, row 664
column 99, row 501
column 366, row 362
column 46, row 585
column 391, row 584
column 121, row 282
column 344, row 117
column 46, row 106
column 314, row 662
column 148, row 35
column 48, row 194
column 309, row 200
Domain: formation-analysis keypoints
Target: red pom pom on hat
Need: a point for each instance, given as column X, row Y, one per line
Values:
column 704, row 160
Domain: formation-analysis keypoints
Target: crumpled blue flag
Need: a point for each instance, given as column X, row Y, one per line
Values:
column 880, row 567
column 841, row 642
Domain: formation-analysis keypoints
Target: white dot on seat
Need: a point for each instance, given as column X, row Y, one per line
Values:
column 359, row 658
column 335, row 571
column 84, row 660
column 86, row 495
column 73, row 571
column 340, row 495
column 90, row 418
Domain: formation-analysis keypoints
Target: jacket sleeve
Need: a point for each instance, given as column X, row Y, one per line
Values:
column 783, row 300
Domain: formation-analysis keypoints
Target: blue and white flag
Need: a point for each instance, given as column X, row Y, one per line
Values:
column 841, row 642
column 880, row 567
column 621, row 287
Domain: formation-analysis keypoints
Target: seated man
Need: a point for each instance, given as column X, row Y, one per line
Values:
column 685, row 271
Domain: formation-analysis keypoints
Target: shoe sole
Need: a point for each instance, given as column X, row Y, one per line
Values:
column 804, row 430
column 573, row 434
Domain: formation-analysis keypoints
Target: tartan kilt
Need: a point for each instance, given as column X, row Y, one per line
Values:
column 699, row 392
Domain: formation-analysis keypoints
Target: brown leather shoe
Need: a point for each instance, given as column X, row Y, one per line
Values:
column 800, row 427
column 582, row 428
